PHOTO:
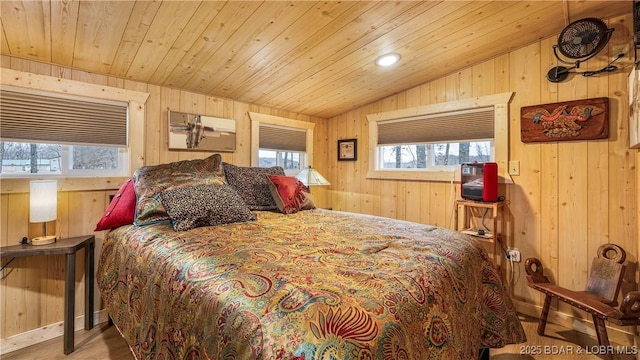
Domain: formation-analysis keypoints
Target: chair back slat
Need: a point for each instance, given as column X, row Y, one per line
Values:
column 606, row 272
column 605, row 279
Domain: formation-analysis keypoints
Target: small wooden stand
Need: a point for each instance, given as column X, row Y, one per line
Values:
column 468, row 210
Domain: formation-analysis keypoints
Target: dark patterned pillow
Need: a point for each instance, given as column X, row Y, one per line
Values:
column 252, row 184
column 150, row 181
column 290, row 194
column 204, row 205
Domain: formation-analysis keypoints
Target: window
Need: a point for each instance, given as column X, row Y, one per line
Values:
column 36, row 124
column 430, row 142
column 434, row 156
column 66, row 128
column 22, row 159
column 288, row 160
column 282, row 142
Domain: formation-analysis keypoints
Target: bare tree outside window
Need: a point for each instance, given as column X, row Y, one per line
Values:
column 398, row 157
column 94, row 157
column 425, row 156
column 421, row 152
column 33, row 157
column 1, row 154
column 464, row 153
column 442, row 152
column 483, row 152
column 28, row 158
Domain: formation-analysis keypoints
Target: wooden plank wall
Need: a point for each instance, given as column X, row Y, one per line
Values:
column 31, row 289
column 570, row 197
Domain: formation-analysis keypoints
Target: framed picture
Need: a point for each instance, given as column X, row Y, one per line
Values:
column 200, row 132
column 348, row 150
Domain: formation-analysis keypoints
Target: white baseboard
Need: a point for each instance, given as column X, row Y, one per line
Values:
column 35, row 336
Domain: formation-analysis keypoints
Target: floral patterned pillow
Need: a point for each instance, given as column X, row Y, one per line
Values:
column 290, row 194
column 204, row 205
column 150, row 181
column 252, row 184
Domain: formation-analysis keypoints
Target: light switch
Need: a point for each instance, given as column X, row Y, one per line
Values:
column 514, row 167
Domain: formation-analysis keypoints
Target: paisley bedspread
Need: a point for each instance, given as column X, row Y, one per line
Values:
column 312, row 285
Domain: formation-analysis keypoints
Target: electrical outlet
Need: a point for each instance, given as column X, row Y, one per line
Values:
column 619, row 49
column 513, row 255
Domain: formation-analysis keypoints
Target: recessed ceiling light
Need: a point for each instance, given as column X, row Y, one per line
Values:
column 387, row 59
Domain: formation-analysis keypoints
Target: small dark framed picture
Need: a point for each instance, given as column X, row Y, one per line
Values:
column 348, row 150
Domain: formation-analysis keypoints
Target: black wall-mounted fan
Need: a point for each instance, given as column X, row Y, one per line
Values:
column 580, row 41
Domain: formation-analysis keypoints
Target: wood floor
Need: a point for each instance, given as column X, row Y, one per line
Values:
column 100, row 343
column 557, row 339
column 105, row 342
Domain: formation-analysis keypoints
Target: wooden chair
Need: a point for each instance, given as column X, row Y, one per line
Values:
column 599, row 299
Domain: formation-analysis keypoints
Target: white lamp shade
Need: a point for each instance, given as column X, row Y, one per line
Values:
column 311, row 176
column 43, row 200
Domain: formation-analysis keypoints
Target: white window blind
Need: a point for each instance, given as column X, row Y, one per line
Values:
column 38, row 117
column 472, row 124
column 282, row 138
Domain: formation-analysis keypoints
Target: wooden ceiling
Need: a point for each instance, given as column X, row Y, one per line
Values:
column 309, row 57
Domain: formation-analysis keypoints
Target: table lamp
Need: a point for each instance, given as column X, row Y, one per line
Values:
column 311, row 176
column 43, row 207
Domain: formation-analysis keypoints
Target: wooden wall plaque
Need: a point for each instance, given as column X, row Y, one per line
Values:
column 572, row 120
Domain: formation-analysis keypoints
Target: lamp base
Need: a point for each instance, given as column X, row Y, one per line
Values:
column 43, row 240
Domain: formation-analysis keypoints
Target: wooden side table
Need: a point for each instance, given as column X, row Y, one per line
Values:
column 494, row 235
column 69, row 247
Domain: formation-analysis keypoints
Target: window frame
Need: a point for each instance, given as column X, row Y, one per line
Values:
column 500, row 102
column 135, row 99
column 258, row 118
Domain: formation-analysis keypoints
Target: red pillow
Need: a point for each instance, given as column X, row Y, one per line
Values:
column 121, row 210
column 290, row 194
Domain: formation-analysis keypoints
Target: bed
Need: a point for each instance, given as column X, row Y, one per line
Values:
column 312, row 284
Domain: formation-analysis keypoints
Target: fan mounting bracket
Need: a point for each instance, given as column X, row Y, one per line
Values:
column 557, row 74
